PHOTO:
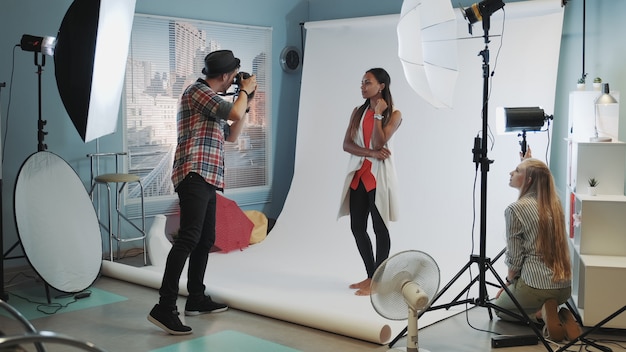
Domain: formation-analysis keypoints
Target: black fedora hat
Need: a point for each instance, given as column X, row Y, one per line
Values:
column 219, row 62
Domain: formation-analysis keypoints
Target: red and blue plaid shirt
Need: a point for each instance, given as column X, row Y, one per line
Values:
column 201, row 124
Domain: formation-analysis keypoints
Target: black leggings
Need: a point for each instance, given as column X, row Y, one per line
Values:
column 362, row 205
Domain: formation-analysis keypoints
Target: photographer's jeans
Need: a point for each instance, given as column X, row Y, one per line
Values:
column 195, row 239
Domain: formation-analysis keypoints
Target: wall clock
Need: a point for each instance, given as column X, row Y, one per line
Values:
column 290, row 59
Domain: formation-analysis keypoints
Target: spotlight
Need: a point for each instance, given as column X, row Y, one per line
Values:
column 485, row 8
column 521, row 120
column 524, row 119
column 44, row 45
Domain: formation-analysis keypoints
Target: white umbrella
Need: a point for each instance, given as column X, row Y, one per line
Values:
column 427, row 48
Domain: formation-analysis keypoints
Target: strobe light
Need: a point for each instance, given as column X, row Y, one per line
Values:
column 524, row 119
column 483, row 9
column 44, row 45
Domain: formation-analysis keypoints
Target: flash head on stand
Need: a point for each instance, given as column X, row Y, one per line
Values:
column 485, row 8
column 522, row 120
column 481, row 10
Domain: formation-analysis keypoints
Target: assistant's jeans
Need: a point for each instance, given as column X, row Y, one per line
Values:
column 195, row 238
column 531, row 299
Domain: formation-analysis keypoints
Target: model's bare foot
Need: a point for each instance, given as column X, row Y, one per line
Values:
column 360, row 285
column 366, row 291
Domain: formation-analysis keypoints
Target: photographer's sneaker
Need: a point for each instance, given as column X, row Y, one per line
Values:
column 167, row 319
column 204, row 305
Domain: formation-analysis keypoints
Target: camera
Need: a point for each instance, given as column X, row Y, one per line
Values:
column 237, row 82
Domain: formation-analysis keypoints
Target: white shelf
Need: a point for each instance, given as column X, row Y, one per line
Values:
column 602, row 230
column 603, row 287
column 598, row 243
column 604, row 161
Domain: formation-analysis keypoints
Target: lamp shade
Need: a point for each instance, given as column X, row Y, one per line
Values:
column 606, row 97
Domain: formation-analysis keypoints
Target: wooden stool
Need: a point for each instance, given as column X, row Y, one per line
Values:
column 119, row 180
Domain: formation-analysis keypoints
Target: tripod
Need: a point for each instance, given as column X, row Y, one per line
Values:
column 41, row 146
column 484, row 264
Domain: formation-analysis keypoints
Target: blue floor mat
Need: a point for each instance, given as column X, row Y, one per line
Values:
column 226, row 341
column 32, row 302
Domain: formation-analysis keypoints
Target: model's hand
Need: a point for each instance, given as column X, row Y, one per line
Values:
column 381, row 154
column 381, row 105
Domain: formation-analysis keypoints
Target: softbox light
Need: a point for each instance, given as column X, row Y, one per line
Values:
column 90, row 61
column 522, row 119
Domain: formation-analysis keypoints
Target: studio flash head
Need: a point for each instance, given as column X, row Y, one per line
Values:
column 485, row 8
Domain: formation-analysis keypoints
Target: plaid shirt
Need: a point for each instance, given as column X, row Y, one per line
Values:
column 201, row 124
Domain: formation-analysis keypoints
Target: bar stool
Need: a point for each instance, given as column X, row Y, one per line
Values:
column 119, row 180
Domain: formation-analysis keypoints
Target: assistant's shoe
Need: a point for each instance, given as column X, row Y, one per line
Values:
column 572, row 329
column 167, row 319
column 553, row 327
column 204, row 305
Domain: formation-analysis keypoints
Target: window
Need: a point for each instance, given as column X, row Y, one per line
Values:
column 166, row 55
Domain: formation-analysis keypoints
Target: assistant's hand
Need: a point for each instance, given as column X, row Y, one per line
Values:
column 528, row 154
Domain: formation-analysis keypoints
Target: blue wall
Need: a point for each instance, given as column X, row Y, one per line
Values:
column 39, row 17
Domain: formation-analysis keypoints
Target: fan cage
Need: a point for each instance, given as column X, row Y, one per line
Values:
column 411, row 265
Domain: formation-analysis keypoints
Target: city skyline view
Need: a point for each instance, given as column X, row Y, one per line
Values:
column 166, row 56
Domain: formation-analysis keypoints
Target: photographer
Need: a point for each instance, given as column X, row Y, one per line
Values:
column 198, row 172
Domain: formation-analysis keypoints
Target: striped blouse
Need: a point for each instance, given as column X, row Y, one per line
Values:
column 522, row 230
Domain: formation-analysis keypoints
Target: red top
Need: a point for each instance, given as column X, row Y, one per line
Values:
column 365, row 172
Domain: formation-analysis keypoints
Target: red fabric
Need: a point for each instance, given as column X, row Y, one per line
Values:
column 365, row 172
column 233, row 228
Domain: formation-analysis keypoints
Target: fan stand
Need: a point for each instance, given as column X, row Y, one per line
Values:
column 484, row 263
column 412, row 340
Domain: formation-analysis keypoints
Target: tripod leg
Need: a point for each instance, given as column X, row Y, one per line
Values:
column 455, row 301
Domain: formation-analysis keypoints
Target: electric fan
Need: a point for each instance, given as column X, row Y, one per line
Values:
column 403, row 285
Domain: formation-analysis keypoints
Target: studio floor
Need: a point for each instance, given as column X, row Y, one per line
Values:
column 114, row 319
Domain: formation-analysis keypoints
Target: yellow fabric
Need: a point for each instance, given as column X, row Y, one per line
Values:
column 259, row 232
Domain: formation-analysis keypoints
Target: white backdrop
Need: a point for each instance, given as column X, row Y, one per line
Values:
column 301, row 272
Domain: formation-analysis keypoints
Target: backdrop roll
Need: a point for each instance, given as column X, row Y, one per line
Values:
column 302, row 270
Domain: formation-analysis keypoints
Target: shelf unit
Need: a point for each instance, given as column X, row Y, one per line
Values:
column 598, row 240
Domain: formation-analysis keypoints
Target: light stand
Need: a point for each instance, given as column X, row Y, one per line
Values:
column 40, row 46
column 3, row 294
column 477, row 12
column 41, row 146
